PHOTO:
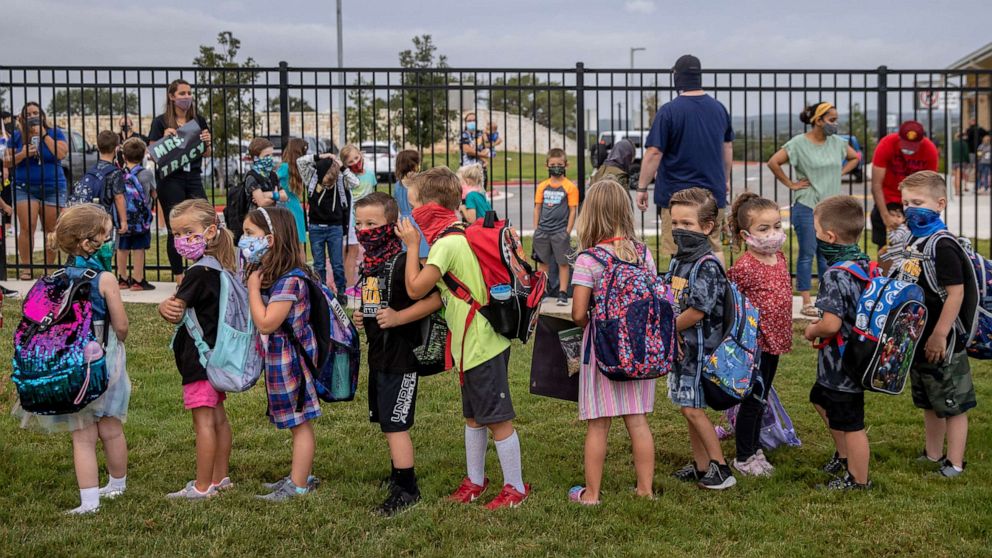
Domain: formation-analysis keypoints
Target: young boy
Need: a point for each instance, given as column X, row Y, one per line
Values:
column 481, row 353
column 555, row 204
column 839, row 222
column 112, row 197
column 941, row 386
column 133, row 152
column 391, row 322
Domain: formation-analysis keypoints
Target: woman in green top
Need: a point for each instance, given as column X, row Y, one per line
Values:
column 815, row 156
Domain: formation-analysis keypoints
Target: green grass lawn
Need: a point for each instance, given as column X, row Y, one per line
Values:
column 910, row 512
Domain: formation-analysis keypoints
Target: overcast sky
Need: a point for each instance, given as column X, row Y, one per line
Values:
column 507, row 33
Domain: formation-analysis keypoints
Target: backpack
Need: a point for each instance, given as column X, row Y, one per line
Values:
column 501, row 258
column 56, row 369
column 975, row 318
column 432, row 354
column 888, row 324
column 335, row 372
column 633, row 333
column 731, row 370
column 235, row 362
column 239, row 202
column 139, row 213
column 92, row 187
column 776, row 425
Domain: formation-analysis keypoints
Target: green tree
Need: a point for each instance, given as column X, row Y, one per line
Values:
column 296, row 104
column 422, row 109
column 90, row 101
column 364, row 115
column 857, row 125
column 224, row 105
column 553, row 108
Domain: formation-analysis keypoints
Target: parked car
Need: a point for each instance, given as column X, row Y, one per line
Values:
column 601, row 149
column 858, row 173
column 81, row 157
column 380, row 156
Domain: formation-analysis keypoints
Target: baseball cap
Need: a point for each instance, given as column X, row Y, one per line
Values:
column 911, row 133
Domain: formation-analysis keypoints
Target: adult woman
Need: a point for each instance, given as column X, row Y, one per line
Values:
column 617, row 164
column 35, row 151
column 472, row 144
column 125, row 132
column 814, row 155
column 186, row 183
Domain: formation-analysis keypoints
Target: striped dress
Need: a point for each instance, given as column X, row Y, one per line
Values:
column 598, row 395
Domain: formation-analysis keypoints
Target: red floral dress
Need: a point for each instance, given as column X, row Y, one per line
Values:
column 769, row 288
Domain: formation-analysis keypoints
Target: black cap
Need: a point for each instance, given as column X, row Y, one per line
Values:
column 687, row 64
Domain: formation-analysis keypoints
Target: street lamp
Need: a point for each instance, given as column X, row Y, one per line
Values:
column 626, row 93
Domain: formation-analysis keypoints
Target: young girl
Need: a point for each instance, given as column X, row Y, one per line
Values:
column 694, row 215
column 407, row 167
column 84, row 231
column 607, row 222
column 194, row 227
column 292, row 185
column 474, row 201
column 763, row 277
column 280, row 308
column 361, row 182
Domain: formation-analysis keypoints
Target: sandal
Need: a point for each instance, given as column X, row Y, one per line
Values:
column 575, row 495
column 809, row 310
column 25, row 276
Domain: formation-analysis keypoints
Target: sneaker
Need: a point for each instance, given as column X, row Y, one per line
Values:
column 82, row 510
column 562, row 299
column 312, row 483
column 143, row 285
column 189, row 492
column 718, row 477
column 689, row 473
column 925, row 459
column 398, row 502
column 509, row 497
column 8, row 293
column 750, row 467
column 123, row 283
column 846, row 483
column 109, row 493
column 835, row 466
column 286, row 491
column 949, row 471
column 763, row 461
column 224, row 484
column 468, row 492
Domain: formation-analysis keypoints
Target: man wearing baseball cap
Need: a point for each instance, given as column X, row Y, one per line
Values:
column 897, row 156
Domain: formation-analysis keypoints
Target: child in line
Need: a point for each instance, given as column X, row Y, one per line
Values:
column 291, row 183
column 280, row 307
column 607, row 222
column 261, row 183
column 112, row 199
column 475, row 205
column 556, row 202
column 197, row 235
column 134, row 245
column 407, row 167
column 701, row 304
column 762, row 276
column 483, row 355
column 941, row 386
column 839, row 223
column 85, row 233
column 391, row 320
column 361, row 182
column 330, row 210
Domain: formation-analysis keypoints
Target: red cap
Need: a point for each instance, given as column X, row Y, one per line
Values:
column 911, row 133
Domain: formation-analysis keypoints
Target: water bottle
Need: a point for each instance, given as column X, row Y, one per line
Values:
column 500, row 292
column 92, row 352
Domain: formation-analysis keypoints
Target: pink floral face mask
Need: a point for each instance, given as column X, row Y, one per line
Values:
column 191, row 247
column 766, row 245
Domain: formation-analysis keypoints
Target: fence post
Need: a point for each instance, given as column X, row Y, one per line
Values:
column 883, row 101
column 284, row 102
column 580, row 109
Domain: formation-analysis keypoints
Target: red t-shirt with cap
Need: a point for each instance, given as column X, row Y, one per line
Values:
column 898, row 165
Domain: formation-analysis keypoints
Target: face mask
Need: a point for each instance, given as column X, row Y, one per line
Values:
column 380, row 245
column 33, row 121
column 191, row 247
column 433, row 220
column 357, row 168
column 908, row 152
column 766, row 245
column 923, row 221
column 263, row 165
column 692, row 245
column 103, row 256
column 125, row 128
column 836, row 253
column 183, row 103
column 470, row 126
column 556, row 170
column 253, row 248
column 830, row 129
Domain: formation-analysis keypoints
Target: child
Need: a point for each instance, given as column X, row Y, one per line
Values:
column 280, row 308
column 196, row 234
column 361, row 182
column 392, row 327
column 942, row 387
column 984, row 157
column 694, row 214
column 839, row 222
column 85, row 232
column 330, row 207
column 291, row 183
column 493, row 139
column 133, row 152
column 407, row 167
column 555, row 204
column 762, row 276
column 607, row 221
column 482, row 353
column 113, row 201
column 261, row 183
column 474, row 203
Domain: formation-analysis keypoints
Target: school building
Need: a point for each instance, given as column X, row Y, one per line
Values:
column 976, row 104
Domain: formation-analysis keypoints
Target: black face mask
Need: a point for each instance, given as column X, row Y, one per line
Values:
column 691, row 245
column 556, row 170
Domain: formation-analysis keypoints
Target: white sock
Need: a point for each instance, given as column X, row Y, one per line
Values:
column 90, row 500
column 476, row 444
column 508, row 451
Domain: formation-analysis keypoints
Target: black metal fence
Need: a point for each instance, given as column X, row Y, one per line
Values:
column 580, row 109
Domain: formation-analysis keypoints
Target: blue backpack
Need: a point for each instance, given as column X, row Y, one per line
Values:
column 139, row 214
column 888, row 324
column 235, row 362
column 92, row 187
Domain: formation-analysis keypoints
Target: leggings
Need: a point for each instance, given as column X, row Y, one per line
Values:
column 752, row 410
column 173, row 190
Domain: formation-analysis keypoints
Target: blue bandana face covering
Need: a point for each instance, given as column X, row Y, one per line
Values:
column 923, row 221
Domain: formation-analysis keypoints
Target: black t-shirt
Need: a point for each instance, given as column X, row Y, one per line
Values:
column 950, row 270
column 390, row 350
column 158, row 132
column 200, row 290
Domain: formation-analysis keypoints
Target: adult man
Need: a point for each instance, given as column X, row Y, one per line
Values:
column 897, row 156
column 690, row 145
column 974, row 134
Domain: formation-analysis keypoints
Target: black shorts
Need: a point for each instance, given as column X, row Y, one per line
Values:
column 393, row 400
column 486, row 391
column 845, row 411
column 878, row 232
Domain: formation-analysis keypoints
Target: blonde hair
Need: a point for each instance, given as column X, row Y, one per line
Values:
column 928, row 181
column 348, row 149
column 608, row 213
column 702, row 200
column 202, row 212
column 78, row 223
column 471, row 174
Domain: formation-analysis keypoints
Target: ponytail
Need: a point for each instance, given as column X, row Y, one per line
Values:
column 741, row 213
column 222, row 248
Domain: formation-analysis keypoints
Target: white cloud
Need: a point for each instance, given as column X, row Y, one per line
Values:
column 639, row 6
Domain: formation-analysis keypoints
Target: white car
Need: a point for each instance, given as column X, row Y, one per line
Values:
column 380, row 156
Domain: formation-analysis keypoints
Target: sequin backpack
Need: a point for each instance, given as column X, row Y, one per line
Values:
column 59, row 365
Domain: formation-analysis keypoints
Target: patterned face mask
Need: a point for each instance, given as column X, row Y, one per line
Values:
column 263, row 165
column 556, row 170
column 191, row 247
column 253, row 248
column 766, row 245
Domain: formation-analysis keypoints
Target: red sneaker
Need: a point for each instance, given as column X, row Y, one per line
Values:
column 468, row 491
column 509, row 498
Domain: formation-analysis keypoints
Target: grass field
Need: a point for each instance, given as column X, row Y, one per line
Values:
column 910, row 511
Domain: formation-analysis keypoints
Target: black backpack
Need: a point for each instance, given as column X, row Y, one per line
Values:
column 239, row 202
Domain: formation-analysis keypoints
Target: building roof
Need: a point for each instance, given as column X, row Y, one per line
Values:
column 973, row 60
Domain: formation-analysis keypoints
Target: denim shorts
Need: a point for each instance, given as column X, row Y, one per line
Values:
column 48, row 194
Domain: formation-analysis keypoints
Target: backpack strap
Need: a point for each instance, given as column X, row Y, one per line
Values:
column 930, row 260
column 389, row 268
column 191, row 322
column 861, row 275
column 695, row 271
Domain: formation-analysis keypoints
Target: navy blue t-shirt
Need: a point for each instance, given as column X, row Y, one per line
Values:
column 690, row 132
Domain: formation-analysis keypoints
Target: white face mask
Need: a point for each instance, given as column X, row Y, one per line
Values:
column 908, row 151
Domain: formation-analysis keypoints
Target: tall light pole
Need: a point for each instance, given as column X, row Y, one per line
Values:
column 630, row 106
column 342, row 138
